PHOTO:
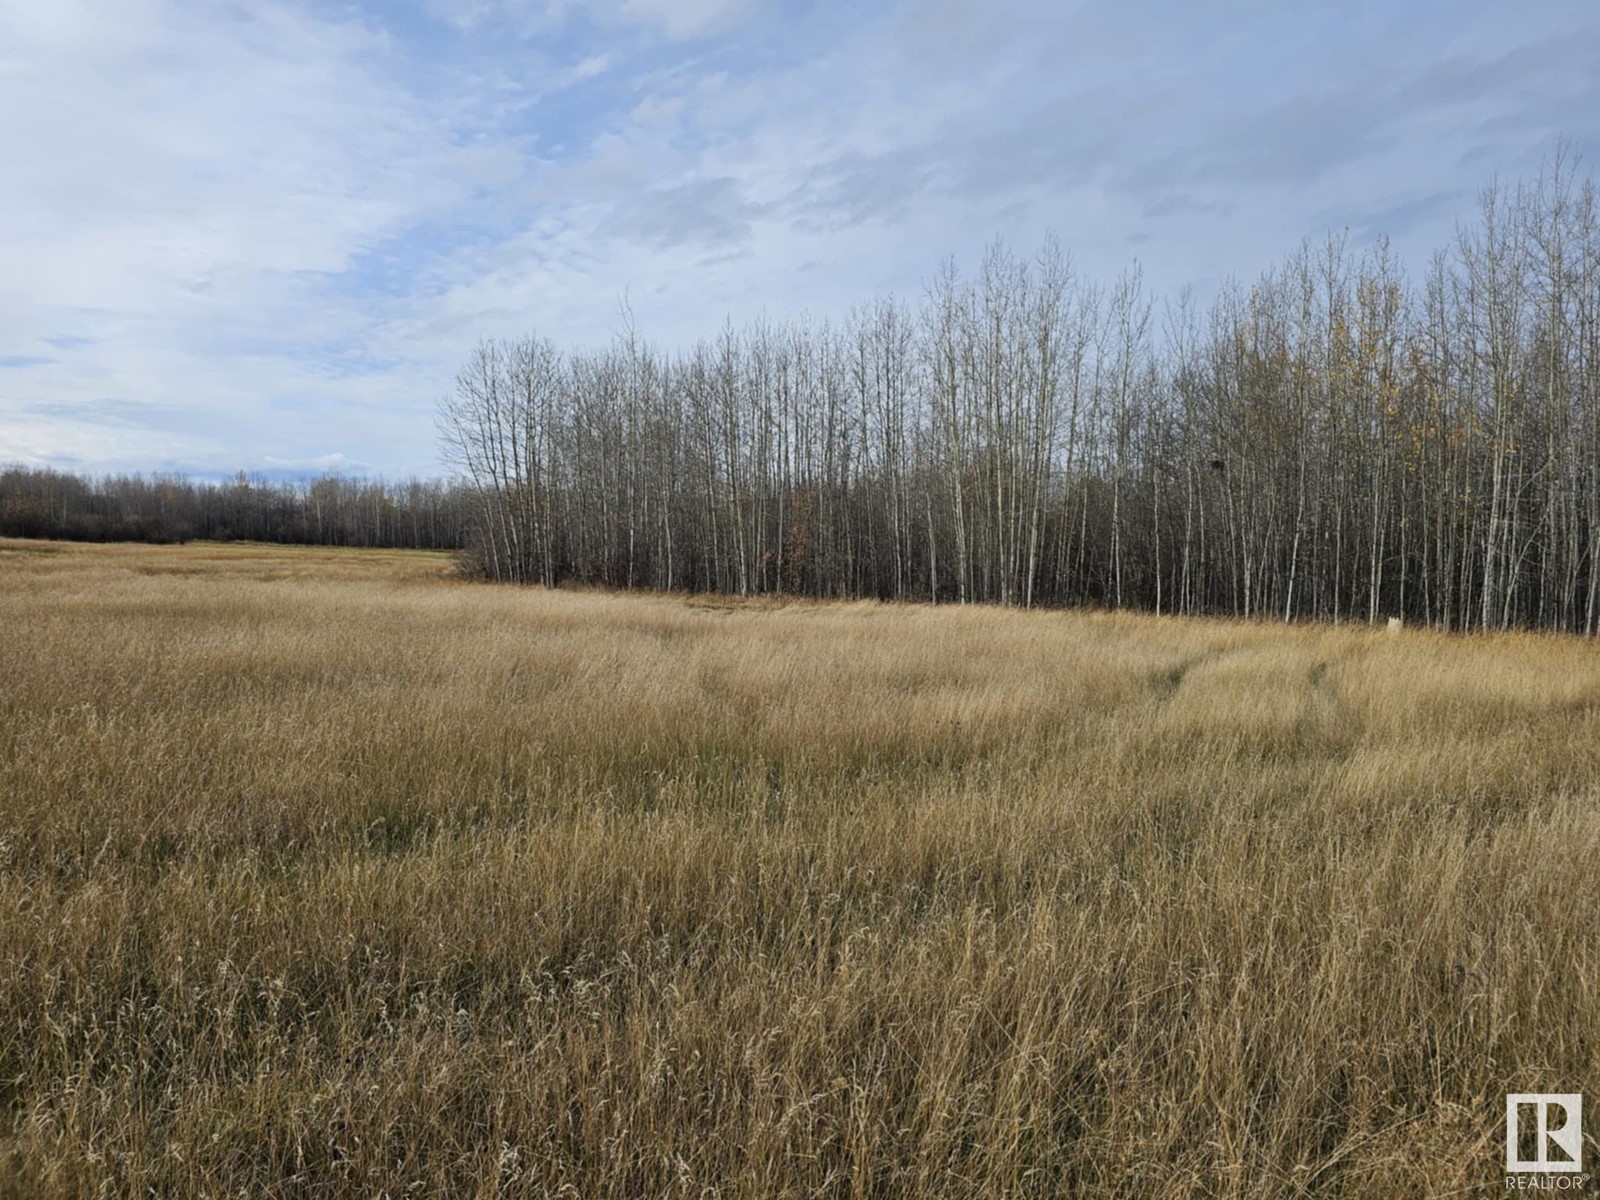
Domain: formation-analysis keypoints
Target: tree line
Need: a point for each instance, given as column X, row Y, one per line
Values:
column 331, row 510
column 1334, row 440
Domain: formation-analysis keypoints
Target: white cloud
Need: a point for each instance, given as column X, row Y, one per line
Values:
column 687, row 18
column 675, row 18
column 275, row 231
column 187, row 177
column 589, row 68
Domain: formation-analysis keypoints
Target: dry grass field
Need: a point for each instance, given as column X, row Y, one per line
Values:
column 323, row 874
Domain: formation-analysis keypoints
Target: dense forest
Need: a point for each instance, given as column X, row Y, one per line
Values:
column 1335, row 440
column 331, row 510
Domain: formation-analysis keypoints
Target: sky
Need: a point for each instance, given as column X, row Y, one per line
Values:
column 264, row 235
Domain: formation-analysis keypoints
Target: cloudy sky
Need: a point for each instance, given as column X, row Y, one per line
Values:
column 264, row 234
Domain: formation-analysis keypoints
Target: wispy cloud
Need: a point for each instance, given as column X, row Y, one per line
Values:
column 270, row 232
column 688, row 18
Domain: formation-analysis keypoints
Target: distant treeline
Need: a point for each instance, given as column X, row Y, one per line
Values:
column 330, row 511
column 1334, row 440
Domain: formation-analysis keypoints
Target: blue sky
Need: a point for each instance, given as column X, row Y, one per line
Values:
column 264, row 235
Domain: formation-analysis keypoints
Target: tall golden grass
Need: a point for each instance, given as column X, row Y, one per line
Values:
column 322, row 874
